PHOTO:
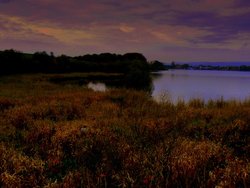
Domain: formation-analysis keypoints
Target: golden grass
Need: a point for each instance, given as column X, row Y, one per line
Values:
column 60, row 136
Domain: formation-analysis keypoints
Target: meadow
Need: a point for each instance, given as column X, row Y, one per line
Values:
column 66, row 135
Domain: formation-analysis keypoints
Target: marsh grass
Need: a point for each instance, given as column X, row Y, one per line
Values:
column 59, row 136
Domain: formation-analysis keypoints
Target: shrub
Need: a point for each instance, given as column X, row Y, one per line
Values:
column 18, row 170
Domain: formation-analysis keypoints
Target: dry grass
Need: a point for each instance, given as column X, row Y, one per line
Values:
column 70, row 136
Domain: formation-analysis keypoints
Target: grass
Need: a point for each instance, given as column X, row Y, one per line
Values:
column 69, row 136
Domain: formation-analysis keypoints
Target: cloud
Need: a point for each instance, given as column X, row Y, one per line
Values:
column 116, row 25
column 5, row 1
column 126, row 29
column 201, row 5
column 17, row 27
column 235, row 12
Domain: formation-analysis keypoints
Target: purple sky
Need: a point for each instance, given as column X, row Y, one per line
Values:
column 166, row 30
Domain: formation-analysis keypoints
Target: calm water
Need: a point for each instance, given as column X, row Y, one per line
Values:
column 189, row 84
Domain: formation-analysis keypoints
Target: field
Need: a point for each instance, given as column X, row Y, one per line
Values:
column 66, row 135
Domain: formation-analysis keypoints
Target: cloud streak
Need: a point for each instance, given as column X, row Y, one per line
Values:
column 150, row 27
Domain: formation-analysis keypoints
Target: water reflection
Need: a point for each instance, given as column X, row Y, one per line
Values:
column 189, row 84
column 97, row 86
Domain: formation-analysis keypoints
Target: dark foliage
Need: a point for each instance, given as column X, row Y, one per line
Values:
column 157, row 65
column 13, row 62
column 133, row 66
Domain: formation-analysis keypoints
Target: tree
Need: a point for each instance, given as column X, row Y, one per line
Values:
column 134, row 57
column 157, row 65
column 43, row 62
column 138, row 76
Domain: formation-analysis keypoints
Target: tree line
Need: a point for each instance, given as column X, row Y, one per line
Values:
column 133, row 66
column 15, row 62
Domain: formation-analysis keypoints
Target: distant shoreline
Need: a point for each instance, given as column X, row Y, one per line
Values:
column 222, row 66
column 224, row 63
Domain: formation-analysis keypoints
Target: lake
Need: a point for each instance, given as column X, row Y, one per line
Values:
column 188, row 84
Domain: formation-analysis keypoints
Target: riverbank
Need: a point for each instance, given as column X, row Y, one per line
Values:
column 58, row 135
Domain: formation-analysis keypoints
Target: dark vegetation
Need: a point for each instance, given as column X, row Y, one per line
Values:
column 14, row 62
column 54, row 135
column 157, row 66
column 133, row 67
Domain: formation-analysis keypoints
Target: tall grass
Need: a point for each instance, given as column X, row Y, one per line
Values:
column 61, row 136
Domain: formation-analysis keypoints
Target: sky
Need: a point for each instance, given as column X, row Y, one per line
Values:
column 164, row 30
